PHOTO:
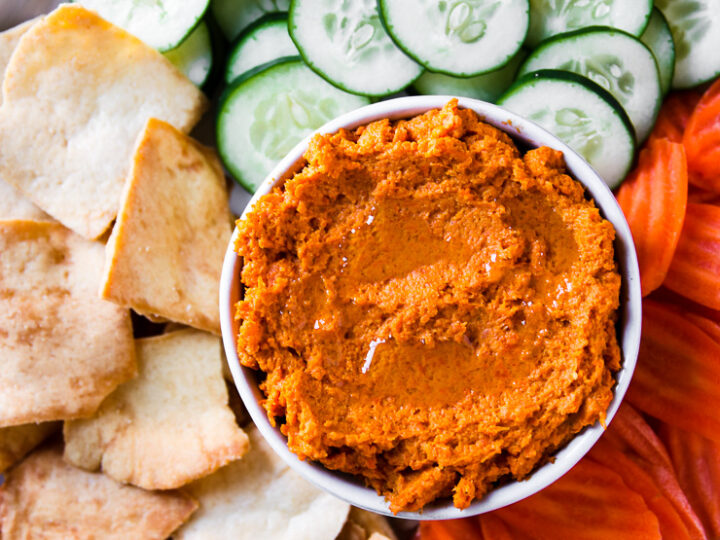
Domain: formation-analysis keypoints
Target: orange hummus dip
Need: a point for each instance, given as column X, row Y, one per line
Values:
column 431, row 310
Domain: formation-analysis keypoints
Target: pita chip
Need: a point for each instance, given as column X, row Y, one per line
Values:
column 165, row 253
column 364, row 525
column 16, row 441
column 62, row 349
column 167, row 427
column 44, row 497
column 9, row 40
column 261, row 497
column 77, row 92
column 13, row 204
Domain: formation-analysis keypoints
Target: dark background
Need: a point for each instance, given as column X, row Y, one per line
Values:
column 13, row 12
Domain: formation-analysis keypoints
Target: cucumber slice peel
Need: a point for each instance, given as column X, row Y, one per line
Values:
column 694, row 25
column 580, row 113
column 461, row 38
column 616, row 60
column 233, row 16
column 194, row 56
column 348, row 46
column 658, row 38
column 487, row 87
column 267, row 111
column 552, row 17
column 162, row 24
column 263, row 41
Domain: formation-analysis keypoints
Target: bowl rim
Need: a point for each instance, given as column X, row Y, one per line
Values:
column 351, row 489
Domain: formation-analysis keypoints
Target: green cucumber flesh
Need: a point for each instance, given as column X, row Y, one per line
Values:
column 265, row 113
column 695, row 27
column 162, row 24
column 487, row 87
column 233, row 16
column 347, row 45
column 463, row 38
column 658, row 38
column 552, row 17
column 581, row 114
column 618, row 61
column 265, row 40
column 194, row 56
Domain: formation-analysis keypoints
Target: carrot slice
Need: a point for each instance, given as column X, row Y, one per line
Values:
column 697, row 463
column 710, row 327
column 425, row 531
column 702, row 140
column 654, row 198
column 591, row 502
column 674, row 115
column 642, row 482
column 630, row 433
column 677, row 378
column 452, row 529
column 695, row 269
column 493, row 528
column 670, row 298
column 631, row 448
column 703, row 196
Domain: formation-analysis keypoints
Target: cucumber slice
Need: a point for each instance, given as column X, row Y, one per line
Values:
column 194, row 56
column 658, row 38
column 551, row 17
column 233, row 16
column 617, row 61
column 162, row 24
column 581, row 114
column 695, row 27
column 265, row 113
column 487, row 87
column 346, row 44
column 265, row 40
column 461, row 38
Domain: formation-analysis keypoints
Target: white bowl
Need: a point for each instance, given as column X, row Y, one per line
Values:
column 352, row 489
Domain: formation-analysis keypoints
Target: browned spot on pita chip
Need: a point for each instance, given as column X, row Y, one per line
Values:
column 44, row 497
column 170, row 425
column 77, row 93
column 165, row 253
column 62, row 349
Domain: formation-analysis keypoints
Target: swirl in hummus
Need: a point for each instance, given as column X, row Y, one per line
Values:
column 431, row 309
